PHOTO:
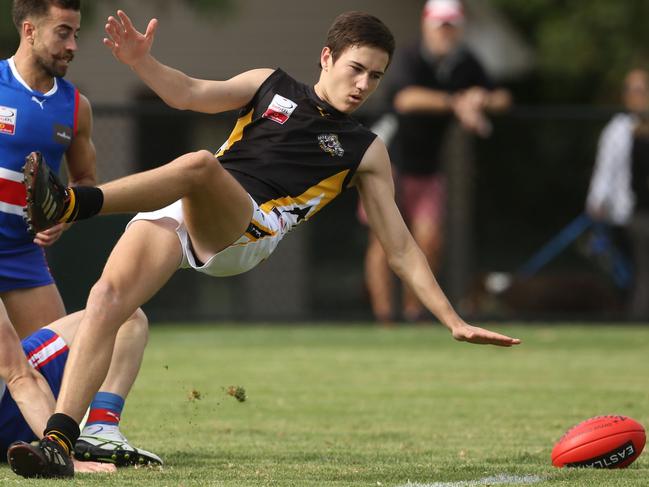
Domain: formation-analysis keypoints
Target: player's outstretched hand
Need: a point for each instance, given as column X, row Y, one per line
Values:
column 127, row 44
column 474, row 334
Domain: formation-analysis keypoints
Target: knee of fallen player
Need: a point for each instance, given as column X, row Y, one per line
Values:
column 136, row 327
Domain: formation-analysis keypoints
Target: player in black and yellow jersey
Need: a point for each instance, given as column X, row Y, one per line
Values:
column 293, row 149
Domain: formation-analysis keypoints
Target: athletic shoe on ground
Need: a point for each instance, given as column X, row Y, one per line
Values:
column 46, row 194
column 47, row 459
column 112, row 448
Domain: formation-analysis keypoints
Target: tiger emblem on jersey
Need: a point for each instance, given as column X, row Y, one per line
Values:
column 331, row 145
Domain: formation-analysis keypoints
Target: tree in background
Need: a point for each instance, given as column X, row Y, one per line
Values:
column 583, row 48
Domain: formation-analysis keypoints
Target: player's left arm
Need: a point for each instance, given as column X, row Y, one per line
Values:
column 81, row 159
column 376, row 188
column 81, row 156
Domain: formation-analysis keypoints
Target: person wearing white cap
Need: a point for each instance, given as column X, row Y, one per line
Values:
column 432, row 82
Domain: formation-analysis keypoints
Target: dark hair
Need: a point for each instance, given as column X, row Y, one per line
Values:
column 38, row 8
column 358, row 29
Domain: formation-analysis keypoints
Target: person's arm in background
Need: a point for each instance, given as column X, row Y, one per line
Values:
column 470, row 105
column 405, row 92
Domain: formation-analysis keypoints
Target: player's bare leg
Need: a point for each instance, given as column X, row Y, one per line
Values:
column 32, row 308
column 102, row 439
column 217, row 209
column 127, row 354
column 106, row 442
column 140, row 264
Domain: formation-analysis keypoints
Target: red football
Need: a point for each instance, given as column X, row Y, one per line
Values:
column 600, row 442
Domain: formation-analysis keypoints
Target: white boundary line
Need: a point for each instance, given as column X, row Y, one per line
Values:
column 502, row 479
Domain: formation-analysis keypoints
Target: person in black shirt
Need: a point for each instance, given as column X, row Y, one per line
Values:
column 293, row 149
column 433, row 82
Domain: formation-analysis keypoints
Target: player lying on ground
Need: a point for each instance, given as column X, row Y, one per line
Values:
column 293, row 150
column 30, row 378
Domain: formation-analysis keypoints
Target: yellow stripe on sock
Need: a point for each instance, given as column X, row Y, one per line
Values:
column 61, row 440
column 70, row 208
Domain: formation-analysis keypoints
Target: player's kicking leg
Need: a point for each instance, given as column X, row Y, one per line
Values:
column 217, row 208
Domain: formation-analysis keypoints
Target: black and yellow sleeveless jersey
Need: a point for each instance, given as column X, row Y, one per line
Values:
column 291, row 151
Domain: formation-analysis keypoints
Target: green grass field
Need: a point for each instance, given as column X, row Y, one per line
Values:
column 364, row 406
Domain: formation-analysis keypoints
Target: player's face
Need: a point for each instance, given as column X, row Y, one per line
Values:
column 349, row 81
column 55, row 40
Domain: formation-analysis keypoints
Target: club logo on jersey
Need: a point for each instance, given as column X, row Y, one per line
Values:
column 331, row 145
column 323, row 112
column 8, row 120
column 280, row 109
column 62, row 134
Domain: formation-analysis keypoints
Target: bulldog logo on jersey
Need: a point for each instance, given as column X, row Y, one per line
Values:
column 331, row 145
column 8, row 120
column 280, row 109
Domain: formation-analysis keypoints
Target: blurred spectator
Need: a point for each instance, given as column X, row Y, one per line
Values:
column 433, row 82
column 619, row 187
column 639, row 224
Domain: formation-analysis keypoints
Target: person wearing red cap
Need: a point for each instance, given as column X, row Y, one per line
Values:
column 433, row 82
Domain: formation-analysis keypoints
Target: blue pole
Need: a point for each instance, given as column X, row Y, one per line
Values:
column 556, row 245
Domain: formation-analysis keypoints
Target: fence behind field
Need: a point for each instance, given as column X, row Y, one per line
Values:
column 508, row 196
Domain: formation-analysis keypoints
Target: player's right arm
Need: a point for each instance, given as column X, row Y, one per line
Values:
column 374, row 182
column 174, row 87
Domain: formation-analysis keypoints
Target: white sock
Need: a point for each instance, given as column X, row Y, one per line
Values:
column 107, row 431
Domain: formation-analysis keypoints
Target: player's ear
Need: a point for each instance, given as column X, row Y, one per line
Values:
column 326, row 58
column 28, row 29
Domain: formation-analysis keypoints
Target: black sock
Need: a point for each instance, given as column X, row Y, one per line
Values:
column 82, row 202
column 63, row 429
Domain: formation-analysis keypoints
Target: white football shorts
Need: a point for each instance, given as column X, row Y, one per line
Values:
column 256, row 244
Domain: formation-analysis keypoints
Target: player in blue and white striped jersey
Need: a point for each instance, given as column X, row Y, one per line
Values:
column 30, row 379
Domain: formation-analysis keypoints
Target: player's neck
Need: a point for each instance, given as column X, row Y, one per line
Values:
column 31, row 73
column 321, row 92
